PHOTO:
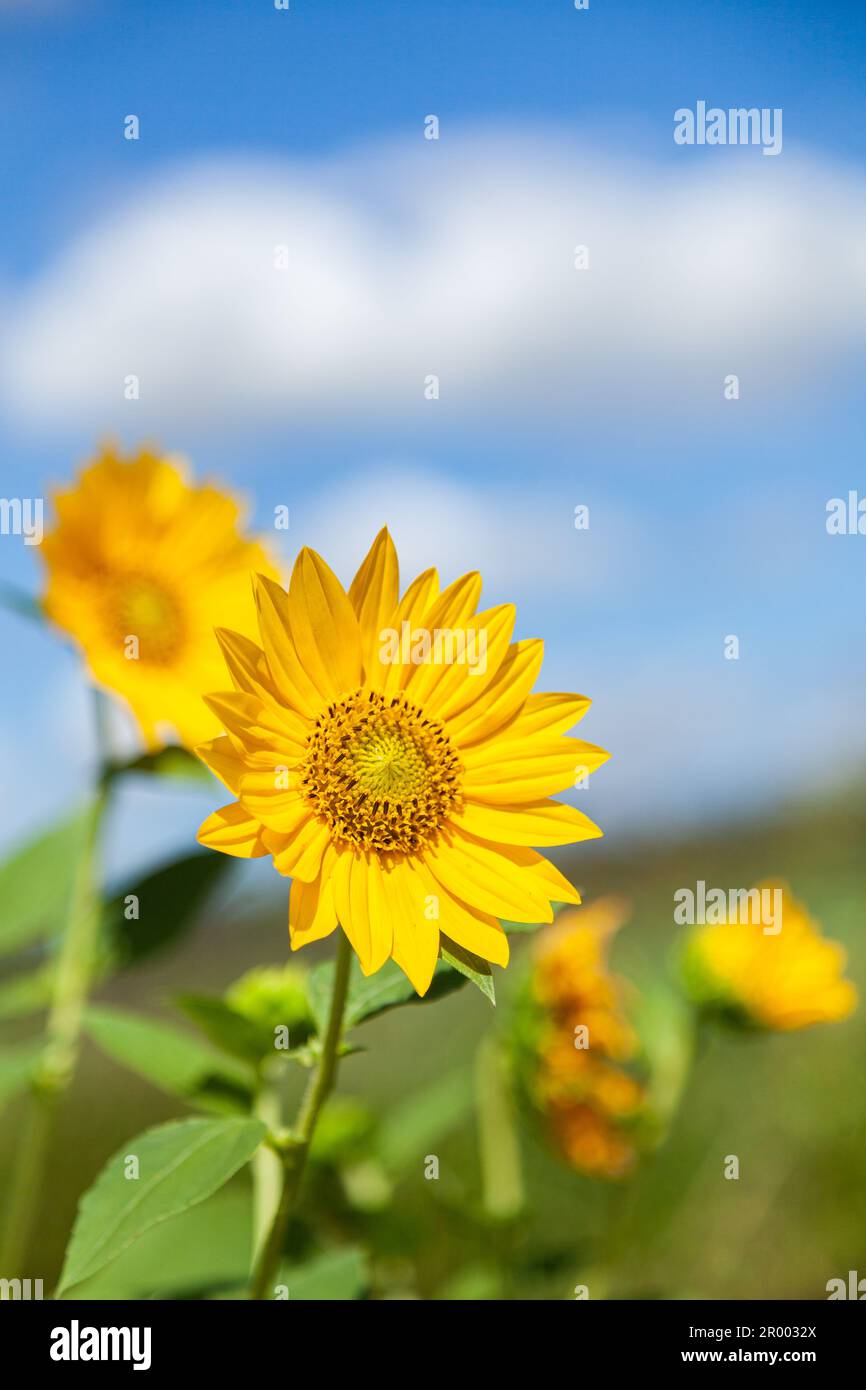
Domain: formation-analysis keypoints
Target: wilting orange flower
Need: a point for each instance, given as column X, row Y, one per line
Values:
column 583, row 1041
column 393, row 774
column 780, row 979
column 141, row 566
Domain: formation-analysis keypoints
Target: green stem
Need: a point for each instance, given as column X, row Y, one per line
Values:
column 267, row 1169
column 56, row 1066
column 24, row 1183
column 294, row 1155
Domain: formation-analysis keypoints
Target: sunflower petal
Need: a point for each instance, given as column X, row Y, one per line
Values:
column 416, row 936
column 506, row 773
column 221, row 757
column 324, row 627
column 356, row 926
column 278, row 808
column 477, row 931
column 374, row 593
column 545, row 876
column 368, row 910
column 451, row 610
column 465, row 660
column 312, row 915
column 232, row 830
column 247, row 663
column 419, row 596
column 505, row 696
column 483, row 877
column 547, row 712
column 542, row 822
column 252, row 725
column 301, row 856
column 287, row 671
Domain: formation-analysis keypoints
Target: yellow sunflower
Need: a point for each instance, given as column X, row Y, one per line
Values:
column 141, row 566
column 785, row 980
column 393, row 774
column 580, row 1084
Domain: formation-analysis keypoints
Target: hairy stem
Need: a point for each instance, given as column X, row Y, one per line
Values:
column 267, row 1170
column 294, row 1155
column 56, row 1066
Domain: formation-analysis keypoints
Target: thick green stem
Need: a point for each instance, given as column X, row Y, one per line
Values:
column 24, row 1183
column 56, row 1066
column 267, row 1169
column 294, row 1156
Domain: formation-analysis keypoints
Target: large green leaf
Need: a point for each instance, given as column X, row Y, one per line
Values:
column 173, row 1060
column 179, row 1165
column 204, row 1250
column 36, row 883
column 370, row 995
column 16, row 1068
column 169, row 900
column 338, row 1275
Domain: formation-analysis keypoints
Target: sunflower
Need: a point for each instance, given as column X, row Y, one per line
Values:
column 582, row 1042
column 775, row 981
column 141, row 566
column 393, row 774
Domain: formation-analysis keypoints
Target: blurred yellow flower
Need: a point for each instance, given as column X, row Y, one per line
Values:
column 784, row 980
column 141, row 566
column 397, row 782
column 583, row 1041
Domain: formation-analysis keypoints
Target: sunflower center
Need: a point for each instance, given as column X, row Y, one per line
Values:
column 137, row 606
column 383, row 775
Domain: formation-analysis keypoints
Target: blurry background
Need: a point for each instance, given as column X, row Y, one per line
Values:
column 283, row 259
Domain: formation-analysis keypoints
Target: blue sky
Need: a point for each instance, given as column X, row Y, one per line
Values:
column 707, row 515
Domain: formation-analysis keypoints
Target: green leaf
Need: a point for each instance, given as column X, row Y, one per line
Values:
column 227, row 1027
column 19, row 601
column 36, row 883
column 467, row 963
column 338, row 1275
column 171, row 1059
column 370, row 995
column 178, row 764
column 179, row 1164
column 204, row 1250
column 16, row 1068
column 169, row 901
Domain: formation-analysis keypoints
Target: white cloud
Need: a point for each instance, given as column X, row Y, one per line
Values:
column 453, row 258
column 521, row 540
